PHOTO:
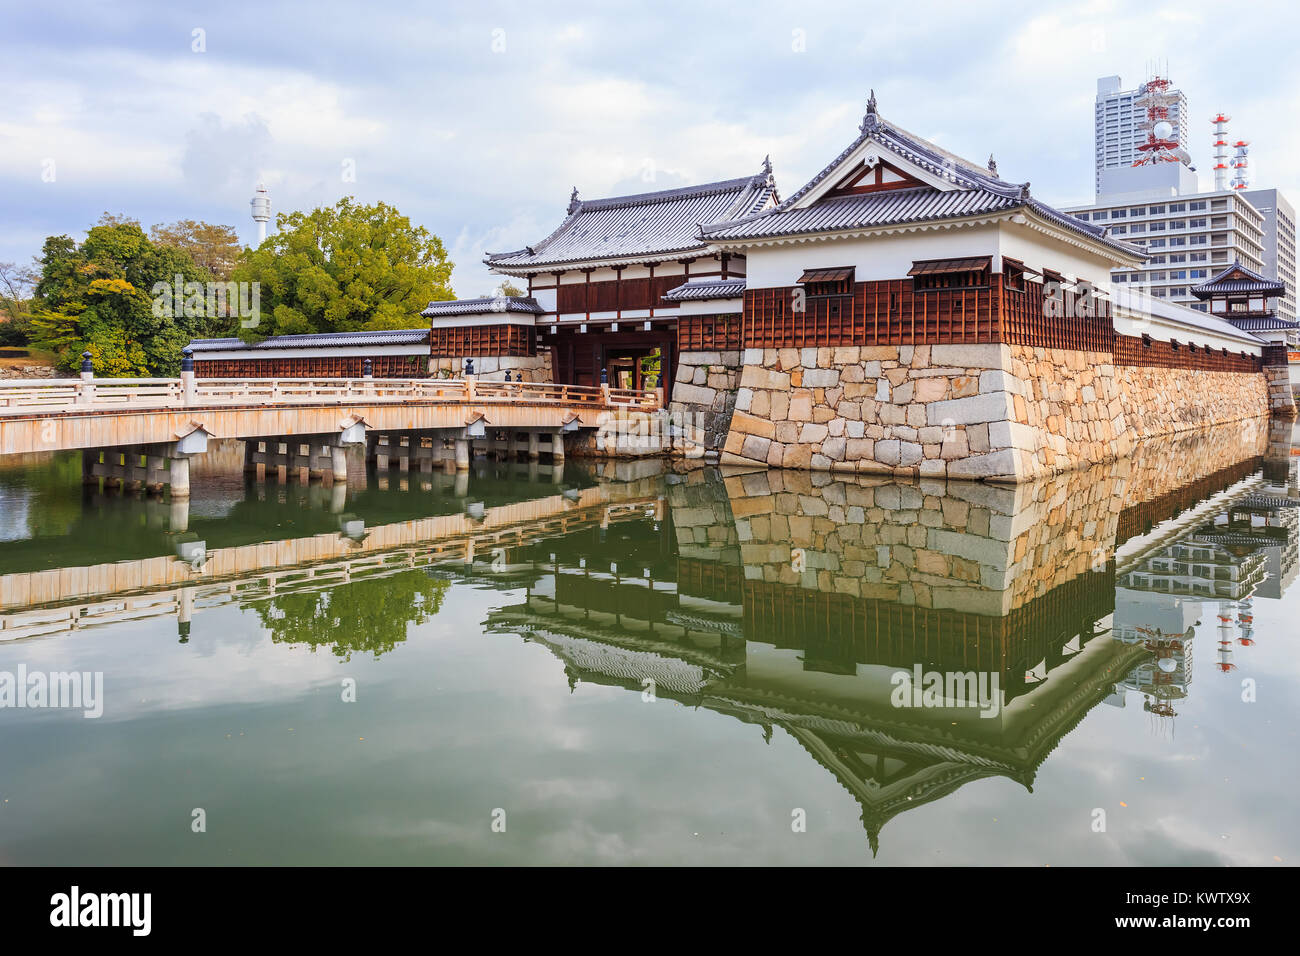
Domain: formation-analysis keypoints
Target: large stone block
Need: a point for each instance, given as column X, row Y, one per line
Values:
column 996, row 464
column 995, row 406
column 693, row 394
column 820, row 377
column 752, row 425
column 967, row 356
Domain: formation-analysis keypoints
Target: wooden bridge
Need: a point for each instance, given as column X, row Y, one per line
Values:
column 142, row 432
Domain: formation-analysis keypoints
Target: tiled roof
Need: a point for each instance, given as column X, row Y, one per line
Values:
column 316, row 340
column 699, row 289
column 977, row 192
column 644, row 225
column 497, row 303
column 1254, row 282
column 1264, row 323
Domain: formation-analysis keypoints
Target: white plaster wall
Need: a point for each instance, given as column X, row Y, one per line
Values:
column 875, row 257
column 1038, row 250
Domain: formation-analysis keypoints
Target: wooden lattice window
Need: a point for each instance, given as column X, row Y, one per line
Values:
column 1013, row 274
column 934, row 274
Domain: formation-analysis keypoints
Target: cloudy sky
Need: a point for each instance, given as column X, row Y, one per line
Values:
column 476, row 119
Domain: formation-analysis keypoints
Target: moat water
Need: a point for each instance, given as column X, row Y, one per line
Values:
column 636, row 663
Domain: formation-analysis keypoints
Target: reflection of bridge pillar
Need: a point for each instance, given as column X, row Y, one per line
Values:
column 557, row 472
column 461, row 487
column 338, row 497
column 178, row 518
column 462, row 454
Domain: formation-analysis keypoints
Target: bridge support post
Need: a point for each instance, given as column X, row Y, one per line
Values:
column 154, row 474
column 557, row 445
column 250, row 456
column 180, row 477
column 462, row 454
column 534, row 446
column 114, row 463
column 339, row 463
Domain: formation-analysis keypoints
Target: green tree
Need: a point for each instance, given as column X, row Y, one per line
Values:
column 99, row 297
column 345, row 268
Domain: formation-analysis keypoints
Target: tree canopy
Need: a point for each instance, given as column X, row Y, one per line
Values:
column 97, row 297
column 345, row 268
column 214, row 248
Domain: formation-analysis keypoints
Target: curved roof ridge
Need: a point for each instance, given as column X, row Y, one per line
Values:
column 666, row 195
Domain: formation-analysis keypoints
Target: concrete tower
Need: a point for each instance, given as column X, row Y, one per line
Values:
column 261, row 204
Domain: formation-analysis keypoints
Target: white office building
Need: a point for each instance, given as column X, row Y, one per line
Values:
column 1189, row 238
column 1279, row 243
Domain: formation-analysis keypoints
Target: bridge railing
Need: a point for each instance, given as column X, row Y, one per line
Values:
column 124, row 393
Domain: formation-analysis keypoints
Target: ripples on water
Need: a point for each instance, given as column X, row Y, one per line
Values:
column 631, row 664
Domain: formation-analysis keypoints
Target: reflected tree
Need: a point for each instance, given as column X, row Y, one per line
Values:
column 366, row 616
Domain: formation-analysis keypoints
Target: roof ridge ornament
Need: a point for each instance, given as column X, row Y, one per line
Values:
column 574, row 202
column 1024, row 191
column 993, row 166
column 871, row 120
column 767, row 164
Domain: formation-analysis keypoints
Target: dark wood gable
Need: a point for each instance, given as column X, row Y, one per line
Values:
column 870, row 179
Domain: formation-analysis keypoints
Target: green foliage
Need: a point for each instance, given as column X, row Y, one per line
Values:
column 98, row 297
column 345, row 268
column 369, row 616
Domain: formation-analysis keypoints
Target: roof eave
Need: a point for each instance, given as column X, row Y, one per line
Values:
column 564, row 265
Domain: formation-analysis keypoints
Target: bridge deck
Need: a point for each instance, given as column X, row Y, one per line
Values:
column 102, row 413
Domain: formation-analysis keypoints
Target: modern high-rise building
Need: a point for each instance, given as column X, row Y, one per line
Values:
column 1119, row 125
column 1279, row 243
column 1188, row 237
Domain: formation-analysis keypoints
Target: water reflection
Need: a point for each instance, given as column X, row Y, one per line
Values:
column 812, row 605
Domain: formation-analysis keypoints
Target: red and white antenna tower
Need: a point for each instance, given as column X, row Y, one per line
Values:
column 1240, row 163
column 1220, row 122
column 1161, row 145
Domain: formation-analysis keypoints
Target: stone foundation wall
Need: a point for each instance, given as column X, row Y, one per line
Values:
column 703, row 399
column 534, row 368
column 1281, row 391
column 998, row 412
column 1165, row 401
column 925, row 410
